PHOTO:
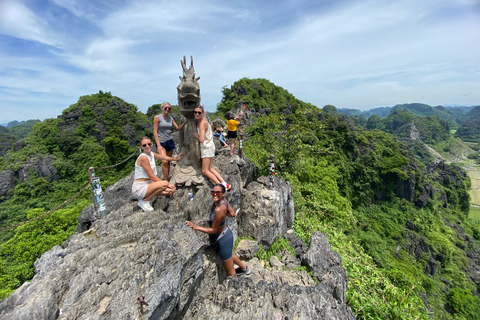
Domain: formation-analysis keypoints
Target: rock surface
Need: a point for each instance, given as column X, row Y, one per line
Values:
column 7, row 182
column 136, row 265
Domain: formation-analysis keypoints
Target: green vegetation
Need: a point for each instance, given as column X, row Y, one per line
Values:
column 257, row 94
column 419, row 133
column 474, row 213
column 469, row 131
column 347, row 183
column 31, row 240
column 455, row 116
column 22, row 130
column 99, row 130
column 276, row 249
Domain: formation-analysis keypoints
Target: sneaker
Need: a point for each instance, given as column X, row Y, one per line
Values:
column 145, row 205
column 228, row 187
column 241, row 272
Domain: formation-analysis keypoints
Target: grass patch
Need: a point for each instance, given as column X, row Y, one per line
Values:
column 474, row 213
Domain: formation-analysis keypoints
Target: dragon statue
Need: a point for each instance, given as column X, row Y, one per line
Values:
column 188, row 90
column 189, row 170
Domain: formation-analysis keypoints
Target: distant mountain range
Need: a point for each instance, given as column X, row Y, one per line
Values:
column 418, row 109
column 454, row 115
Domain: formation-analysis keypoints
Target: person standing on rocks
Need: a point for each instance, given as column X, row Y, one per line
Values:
column 232, row 131
column 146, row 184
column 220, row 232
column 162, row 131
column 207, row 148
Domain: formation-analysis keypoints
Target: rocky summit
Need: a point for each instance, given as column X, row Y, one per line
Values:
column 136, row 265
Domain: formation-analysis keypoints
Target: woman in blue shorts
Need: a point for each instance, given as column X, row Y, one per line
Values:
column 221, row 233
column 162, row 131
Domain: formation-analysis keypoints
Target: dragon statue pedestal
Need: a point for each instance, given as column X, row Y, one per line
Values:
column 188, row 171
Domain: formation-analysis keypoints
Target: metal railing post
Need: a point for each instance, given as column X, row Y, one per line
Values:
column 97, row 193
column 272, row 170
column 240, row 146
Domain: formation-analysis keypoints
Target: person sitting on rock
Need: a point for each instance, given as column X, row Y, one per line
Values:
column 207, row 148
column 146, row 184
column 218, row 132
column 220, row 232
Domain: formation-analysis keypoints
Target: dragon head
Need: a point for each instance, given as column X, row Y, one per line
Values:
column 188, row 90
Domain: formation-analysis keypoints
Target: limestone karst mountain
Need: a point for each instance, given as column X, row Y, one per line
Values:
column 133, row 265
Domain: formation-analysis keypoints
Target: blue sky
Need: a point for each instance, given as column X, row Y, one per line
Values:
column 348, row 53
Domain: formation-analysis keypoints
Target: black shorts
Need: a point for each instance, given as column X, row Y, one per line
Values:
column 232, row 134
column 168, row 145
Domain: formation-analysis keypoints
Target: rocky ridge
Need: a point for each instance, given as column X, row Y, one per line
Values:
column 132, row 265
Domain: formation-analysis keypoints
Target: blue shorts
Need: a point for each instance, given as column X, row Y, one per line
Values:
column 168, row 145
column 225, row 244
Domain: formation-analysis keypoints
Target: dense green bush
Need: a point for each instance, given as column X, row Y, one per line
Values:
column 257, row 94
column 31, row 240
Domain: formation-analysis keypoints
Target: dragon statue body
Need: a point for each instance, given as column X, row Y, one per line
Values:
column 188, row 172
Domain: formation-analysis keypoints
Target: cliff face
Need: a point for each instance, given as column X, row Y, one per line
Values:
column 135, row 265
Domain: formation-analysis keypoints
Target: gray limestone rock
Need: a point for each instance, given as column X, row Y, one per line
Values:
column 327, row 266
column 7, row 182
column 136, row 265
column 247, row 249
column 275, row 263
column 19, row 145
column 266, row 213
column 41, row 165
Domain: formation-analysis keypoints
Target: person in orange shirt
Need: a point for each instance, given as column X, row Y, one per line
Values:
column 232, row 131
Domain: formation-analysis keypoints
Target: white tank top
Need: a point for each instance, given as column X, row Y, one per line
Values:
column 140, row 172
column 208, row 141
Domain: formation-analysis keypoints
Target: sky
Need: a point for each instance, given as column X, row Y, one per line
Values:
column 360, row 54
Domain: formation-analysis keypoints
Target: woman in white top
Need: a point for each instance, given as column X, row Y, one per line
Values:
column 207, row 148
column 162, row 132
column 146, row 184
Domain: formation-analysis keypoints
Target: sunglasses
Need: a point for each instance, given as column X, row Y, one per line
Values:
column 167, row 108
column 197, row 112
column 147, row 144
column 213, row 192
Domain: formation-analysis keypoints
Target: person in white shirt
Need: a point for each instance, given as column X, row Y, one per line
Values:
column 146, row 184
column 204, row 135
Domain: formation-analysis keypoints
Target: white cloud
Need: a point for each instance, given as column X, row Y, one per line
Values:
column 18, row 21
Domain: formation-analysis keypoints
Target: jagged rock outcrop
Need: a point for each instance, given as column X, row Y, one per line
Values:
column 6, row 142
column 136, row 265
column 42, row 166
column 7, row 182
column 104, row 109
column 272, row 211
column 472, row 252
